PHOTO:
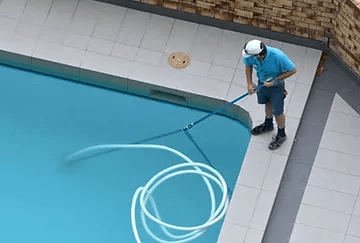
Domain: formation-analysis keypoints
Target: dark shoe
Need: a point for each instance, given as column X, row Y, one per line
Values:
column 262, row 128
column 276, row 142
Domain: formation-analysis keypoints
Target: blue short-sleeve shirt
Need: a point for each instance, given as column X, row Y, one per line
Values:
column 275, row 63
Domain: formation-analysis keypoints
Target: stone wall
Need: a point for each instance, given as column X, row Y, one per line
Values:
column 345, row 40
column 313, row 19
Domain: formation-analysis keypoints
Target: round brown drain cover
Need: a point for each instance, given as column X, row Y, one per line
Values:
column 179, row 60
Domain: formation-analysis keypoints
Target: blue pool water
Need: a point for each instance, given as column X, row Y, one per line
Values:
column 43, row 119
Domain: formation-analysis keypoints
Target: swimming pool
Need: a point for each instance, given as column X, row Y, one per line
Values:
column 43, row 119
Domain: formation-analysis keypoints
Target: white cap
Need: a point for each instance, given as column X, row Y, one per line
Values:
column 253, row 47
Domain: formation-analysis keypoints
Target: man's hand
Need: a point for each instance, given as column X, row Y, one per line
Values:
column 251, row 88
column 269, row 82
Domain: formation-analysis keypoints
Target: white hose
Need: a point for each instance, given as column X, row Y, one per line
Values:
column 144, row 194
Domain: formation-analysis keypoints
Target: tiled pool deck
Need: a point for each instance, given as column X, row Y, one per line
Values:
column 72, row 38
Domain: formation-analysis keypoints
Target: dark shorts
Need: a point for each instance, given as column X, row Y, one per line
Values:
column 275, row 95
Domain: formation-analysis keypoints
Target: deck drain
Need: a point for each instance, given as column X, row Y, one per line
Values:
column 179, row 60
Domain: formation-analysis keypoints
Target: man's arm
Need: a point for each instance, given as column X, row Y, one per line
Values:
column 250, row 85
column 249, row 70
column 280, row 77
column 285, row 75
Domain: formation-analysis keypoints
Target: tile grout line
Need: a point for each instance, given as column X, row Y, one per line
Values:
column 351, row 135
column 316, row 227
column 326, row 209
column 48, row 13
column 346, row 114
column 340, row 152
column 332, row 170
column 73, row 15
column 118, row 33
column 328, row 189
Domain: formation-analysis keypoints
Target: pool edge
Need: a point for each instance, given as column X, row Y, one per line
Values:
column 124, row 84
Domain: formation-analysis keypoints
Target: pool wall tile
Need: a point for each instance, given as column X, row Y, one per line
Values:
column 15, row 60
column 54, row 68
column 210, row 104
column 139, row 87
column 148, row 72
column 103, row 80
column 204, row 86
column 149, row 81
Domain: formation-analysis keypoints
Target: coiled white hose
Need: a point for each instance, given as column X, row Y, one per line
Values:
column 144, row 194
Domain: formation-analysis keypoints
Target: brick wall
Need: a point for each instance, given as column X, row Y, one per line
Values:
column 345, row 41
column 313, row 19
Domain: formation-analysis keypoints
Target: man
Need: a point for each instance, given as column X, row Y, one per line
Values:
column 272, row 67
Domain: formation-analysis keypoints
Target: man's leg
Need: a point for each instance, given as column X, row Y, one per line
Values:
column 268, row 125
column 268, row 114
column 280, row 120
column 278, row 108
column 268, row 109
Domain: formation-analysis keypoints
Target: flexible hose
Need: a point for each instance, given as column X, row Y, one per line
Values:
column 143, row 194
